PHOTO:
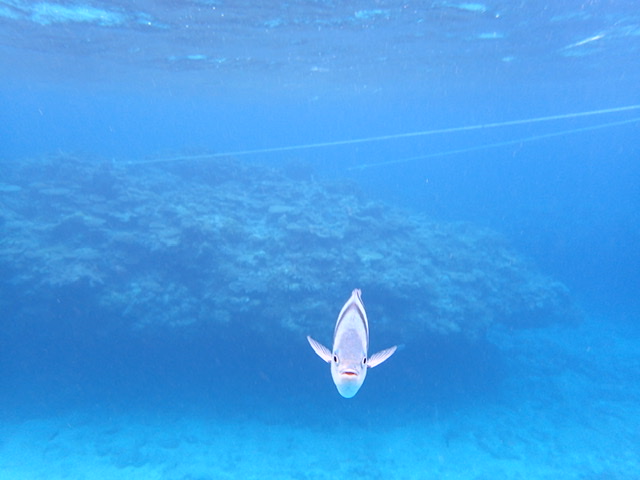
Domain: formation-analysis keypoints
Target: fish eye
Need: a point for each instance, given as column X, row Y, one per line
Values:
column 364, row 361
column 335, row 359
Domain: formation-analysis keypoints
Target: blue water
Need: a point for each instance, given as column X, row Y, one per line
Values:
column 145, row 332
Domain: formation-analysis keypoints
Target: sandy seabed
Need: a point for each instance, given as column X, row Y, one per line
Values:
column 576, row 416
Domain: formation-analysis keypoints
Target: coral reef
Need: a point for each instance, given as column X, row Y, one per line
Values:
column 225, row 241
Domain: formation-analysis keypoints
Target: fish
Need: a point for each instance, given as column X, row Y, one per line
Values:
column 349, row 361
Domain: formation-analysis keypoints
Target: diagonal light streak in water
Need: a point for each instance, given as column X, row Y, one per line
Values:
column 487, row 146
column 424, row 133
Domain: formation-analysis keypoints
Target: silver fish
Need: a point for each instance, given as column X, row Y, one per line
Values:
column 349, row 362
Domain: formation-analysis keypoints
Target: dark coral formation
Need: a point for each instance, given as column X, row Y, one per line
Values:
column 225, row 241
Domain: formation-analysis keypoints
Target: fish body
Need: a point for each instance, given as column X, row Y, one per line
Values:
column 349, row 361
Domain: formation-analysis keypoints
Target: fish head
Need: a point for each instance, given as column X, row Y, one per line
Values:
column 349, row 365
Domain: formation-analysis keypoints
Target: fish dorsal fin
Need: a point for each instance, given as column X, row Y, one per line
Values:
column 322, row 351
column 377, row 358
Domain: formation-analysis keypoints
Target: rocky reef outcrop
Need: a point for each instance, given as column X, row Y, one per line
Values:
column 226, row 241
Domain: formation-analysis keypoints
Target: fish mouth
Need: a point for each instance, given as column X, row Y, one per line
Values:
column 350, row 373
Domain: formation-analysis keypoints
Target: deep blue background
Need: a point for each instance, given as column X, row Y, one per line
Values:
column 571, row 203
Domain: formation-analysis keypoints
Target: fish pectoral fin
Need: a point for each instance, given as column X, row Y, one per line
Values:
column 379, row 357
column 322, row 351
